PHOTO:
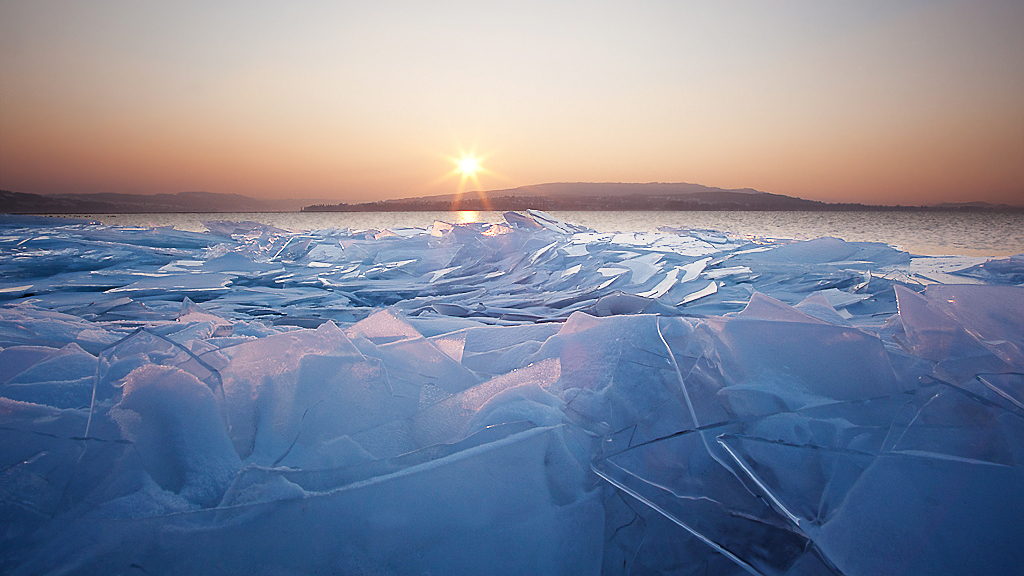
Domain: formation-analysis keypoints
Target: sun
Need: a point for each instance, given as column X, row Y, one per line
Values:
column 468, row 169
column 468, row 166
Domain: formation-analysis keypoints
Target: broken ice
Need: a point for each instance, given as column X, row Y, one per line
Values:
column 521, row 398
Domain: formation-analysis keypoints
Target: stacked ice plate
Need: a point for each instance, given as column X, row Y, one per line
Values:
column 519, row 398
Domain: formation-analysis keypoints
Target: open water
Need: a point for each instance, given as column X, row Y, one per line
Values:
column 932, row 233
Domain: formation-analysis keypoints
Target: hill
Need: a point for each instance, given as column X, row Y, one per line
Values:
column 592, row 196
column 630, row 196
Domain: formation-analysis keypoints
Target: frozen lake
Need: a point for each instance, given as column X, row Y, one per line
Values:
column 517, row 397
column 966, row 233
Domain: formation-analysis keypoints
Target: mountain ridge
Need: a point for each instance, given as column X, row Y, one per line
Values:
column 626, row 197
column 579, row 189
column 549, row 196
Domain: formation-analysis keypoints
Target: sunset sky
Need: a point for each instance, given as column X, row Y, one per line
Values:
column 868, row 101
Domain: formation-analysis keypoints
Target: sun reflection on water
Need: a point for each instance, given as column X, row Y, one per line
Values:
column 467, row 216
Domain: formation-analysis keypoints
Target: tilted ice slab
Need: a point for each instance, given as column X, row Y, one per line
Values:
column 519, row 398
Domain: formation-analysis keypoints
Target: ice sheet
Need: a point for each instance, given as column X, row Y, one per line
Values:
column 521, row 398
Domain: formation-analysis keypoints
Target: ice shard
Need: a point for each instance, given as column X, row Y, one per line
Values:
column 528, row 397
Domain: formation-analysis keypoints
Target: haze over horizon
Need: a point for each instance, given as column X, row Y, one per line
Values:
column 905, row 102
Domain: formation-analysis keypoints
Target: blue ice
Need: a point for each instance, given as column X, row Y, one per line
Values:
column 528, row 397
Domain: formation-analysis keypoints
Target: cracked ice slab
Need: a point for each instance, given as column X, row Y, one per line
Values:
column 528, row 397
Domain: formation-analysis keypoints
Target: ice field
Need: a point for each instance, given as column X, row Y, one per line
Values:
column 530, row 397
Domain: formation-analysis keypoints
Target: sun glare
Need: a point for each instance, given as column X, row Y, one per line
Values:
column 468, row 169
column 469, row 166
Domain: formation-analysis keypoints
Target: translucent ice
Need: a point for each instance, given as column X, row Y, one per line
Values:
column 62, row 378
column 521, row 398
column 172, row 421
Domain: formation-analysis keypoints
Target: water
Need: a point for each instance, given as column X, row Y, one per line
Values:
column 967, row 233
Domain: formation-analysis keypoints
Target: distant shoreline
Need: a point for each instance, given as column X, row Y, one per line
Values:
column 575, row 197
column 635, row 204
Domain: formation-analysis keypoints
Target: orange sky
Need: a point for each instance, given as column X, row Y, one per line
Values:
column 876, row 101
